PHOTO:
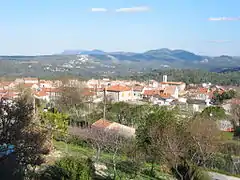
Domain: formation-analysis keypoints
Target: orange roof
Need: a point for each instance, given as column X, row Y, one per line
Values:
column 203, row 90
column 118, row 88
column 101, row 123
column 41, row 93
column 165, row 95
column 172, row 83
column 151, row 92
column 51, row 90
column 29, row 84
column 88, row 93
column 137, row 88
column 170, row 90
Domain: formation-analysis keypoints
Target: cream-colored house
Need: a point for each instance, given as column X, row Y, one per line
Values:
column 119, row 93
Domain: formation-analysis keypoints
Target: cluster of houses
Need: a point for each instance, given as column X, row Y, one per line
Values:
column 160, row 93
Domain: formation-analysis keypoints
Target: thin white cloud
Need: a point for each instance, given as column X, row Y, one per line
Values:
column 99, row 10
column 224, row 19
column 219, row 41
column 133, row 9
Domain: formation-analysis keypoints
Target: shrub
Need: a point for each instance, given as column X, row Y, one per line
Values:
column 68, row 168
column 230, row 147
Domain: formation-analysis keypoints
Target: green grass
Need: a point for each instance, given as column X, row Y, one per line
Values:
column 73, row 150
column 227, row 135
column 80, row 151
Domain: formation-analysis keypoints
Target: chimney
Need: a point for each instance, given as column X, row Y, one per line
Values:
column 164, row 78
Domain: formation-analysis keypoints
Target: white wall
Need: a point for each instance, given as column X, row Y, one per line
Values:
column 125, row 95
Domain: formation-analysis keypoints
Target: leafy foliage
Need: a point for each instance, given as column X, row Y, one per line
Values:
column 17, row 127
column 68, row 168
column 214, row 112
column 55, row 122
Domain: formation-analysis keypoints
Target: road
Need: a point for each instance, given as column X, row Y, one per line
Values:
column 217, row 176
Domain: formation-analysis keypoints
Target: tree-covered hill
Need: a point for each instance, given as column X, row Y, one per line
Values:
column 192, row 76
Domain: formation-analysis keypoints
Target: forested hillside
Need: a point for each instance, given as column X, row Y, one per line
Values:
column 192, row 76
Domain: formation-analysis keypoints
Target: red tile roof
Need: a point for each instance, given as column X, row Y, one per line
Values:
column 203, row 90
column 118, row 88
column 170, row 90
column 101, row 123
column 41, row 94
column 151, row 92
column 138, row 88
column 28, row 84
column 49, row 90
column 165, row 95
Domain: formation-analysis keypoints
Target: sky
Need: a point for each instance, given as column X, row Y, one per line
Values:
column 209, row 27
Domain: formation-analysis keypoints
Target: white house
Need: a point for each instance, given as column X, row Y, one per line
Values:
column 31, row 80
column 45, row 84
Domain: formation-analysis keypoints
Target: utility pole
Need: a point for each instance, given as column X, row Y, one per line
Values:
column 104, row 103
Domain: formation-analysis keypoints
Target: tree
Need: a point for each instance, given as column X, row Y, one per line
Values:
column 213, row 112
column 235, row 111
column 150, row 133
column 71, row 95
column 56, row 123
column 17, row 127
column 182, row 145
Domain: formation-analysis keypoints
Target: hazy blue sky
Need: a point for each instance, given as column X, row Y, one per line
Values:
column 31, row 27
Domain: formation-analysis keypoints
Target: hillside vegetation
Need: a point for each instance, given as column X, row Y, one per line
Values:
column 191, row 76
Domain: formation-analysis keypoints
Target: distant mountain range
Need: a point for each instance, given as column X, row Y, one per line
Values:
column 158, row 54
column 225, row 70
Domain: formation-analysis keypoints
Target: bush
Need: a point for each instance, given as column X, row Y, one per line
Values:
column 68, row 168
column 221, row 162
column 78, row 141
column 230, row 147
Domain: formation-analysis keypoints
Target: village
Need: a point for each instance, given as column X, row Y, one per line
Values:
column 193, row 98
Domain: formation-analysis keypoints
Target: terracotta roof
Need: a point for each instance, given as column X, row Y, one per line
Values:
column 101, row 123
column 165, row 95
column 203, row 90
column 28, row 84
column 151, row 92
column 118, row 88
column 170, row 90
column 51, row 90
column 88, row 93
column 41, row 94
column 138, row 88
column 172, row 83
